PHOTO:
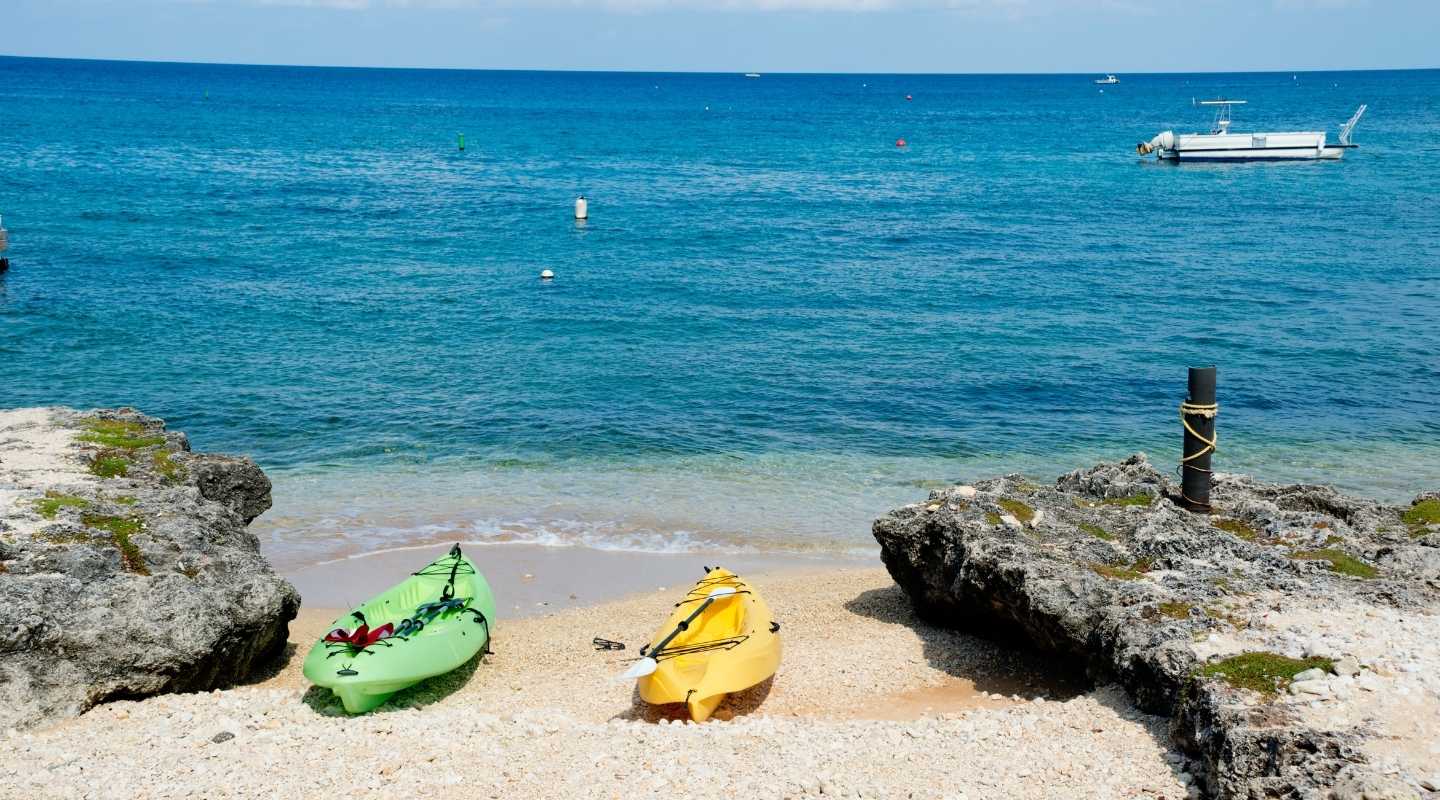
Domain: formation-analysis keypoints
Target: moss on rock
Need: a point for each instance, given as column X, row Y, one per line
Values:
column 64, row 536
column 53, row 501
column 1421, row 515
column 1017, row 509
column 1263, row 672
column 1222, row 614
column 1237, row 528
column 118, row 434
column 1119, row 573
column 120, row 530
column 1096, row 531
column 1176, row 610
column 1338, row 561
column 110, row 464
column 170, row 469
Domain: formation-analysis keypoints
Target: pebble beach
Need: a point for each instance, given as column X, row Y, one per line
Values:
column 869, row 702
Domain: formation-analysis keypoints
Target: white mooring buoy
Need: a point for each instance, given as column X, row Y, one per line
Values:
column 546, row 275
column 582, row 208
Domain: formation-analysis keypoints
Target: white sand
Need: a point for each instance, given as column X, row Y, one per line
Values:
column 543, row 718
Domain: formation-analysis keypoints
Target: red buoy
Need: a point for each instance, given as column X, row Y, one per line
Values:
column 899, row 142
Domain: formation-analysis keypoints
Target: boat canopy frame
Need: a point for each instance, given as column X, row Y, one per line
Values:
column 1222, row 113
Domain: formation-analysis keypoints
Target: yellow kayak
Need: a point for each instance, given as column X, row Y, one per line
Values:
column 721, row 639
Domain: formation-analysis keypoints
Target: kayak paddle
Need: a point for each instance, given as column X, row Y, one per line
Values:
column 648, row 664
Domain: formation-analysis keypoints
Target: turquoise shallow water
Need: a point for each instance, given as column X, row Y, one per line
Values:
column 775, row 325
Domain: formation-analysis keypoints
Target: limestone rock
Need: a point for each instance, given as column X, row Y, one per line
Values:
column 1122, row 580
column 125, row 565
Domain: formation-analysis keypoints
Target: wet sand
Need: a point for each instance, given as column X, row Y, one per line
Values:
column 532, row 579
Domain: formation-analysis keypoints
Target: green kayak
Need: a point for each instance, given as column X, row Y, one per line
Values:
column 427, row 625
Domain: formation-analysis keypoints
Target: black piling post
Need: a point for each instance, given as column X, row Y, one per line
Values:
column 1197, row 415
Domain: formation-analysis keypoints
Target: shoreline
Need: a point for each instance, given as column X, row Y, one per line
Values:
column 531, row 579
column 765, row 503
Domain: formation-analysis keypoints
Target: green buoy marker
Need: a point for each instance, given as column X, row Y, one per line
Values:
column 462, row 141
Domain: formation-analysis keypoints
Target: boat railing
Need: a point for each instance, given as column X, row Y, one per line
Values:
column 1349, row 126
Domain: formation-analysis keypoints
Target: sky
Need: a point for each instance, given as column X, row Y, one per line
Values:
column 944, row 36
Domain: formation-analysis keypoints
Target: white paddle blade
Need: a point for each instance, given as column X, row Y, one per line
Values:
column 723, row 591
column 640, row 669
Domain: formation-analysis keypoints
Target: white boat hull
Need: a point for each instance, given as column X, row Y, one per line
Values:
column 1222, row 144
column 1294, row 146
column 1330, row 153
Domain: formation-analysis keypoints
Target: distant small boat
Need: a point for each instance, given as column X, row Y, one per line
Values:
column 752, row 74
column 1108, row 79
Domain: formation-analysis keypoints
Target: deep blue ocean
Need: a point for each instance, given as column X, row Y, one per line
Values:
column 774, row 326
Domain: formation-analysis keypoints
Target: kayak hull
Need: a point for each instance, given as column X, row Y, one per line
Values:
column 732, row 646
column 438, row 619
column 359, row 699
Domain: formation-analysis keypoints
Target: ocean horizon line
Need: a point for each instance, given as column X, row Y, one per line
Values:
column 731, row 72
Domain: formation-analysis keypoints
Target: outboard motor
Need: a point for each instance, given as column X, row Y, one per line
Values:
column 1163, row 141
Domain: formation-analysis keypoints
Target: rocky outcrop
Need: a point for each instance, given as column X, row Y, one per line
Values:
column 1293, row 636
column 125, row 565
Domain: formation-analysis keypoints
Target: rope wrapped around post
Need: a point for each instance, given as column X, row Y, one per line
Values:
column 1197, row 417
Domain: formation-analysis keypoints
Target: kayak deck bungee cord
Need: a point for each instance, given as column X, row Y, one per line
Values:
column 721, row 639
column 427, row 625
